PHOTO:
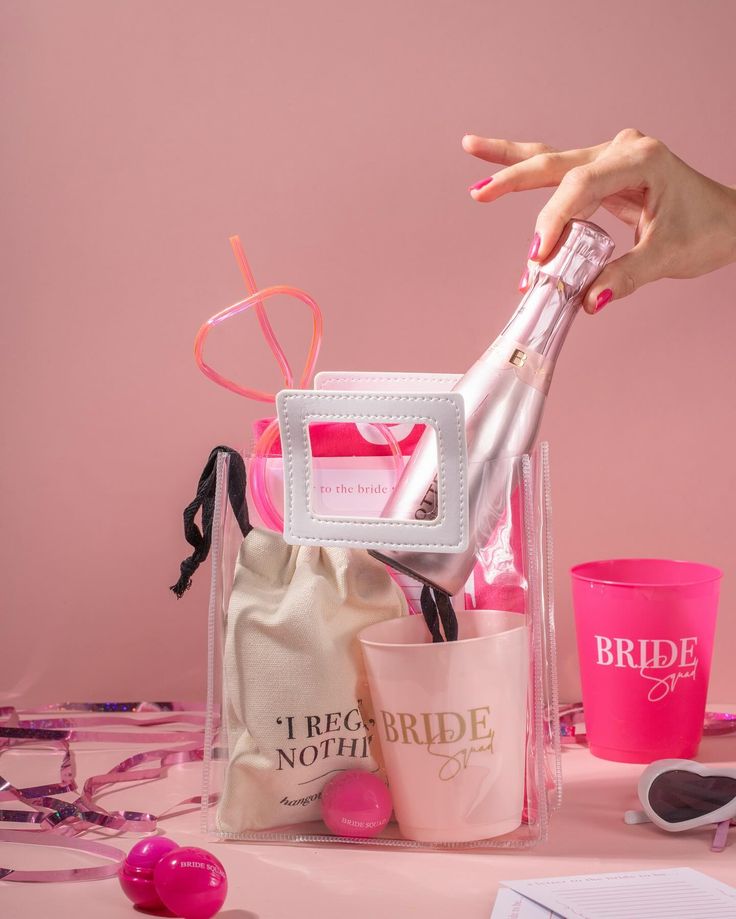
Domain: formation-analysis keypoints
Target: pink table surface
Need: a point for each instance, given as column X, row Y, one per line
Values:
column 275, row 882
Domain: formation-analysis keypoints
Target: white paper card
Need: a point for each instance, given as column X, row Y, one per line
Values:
column 383, row 381
column 669, row 893
column 511, row 905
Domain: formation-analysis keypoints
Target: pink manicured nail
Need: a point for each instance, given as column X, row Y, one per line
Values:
column 524, row 282
column 605, row 296
column 481, row 184
column 534, row 248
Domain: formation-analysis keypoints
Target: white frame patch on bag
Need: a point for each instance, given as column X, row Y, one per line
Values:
column 443, row 411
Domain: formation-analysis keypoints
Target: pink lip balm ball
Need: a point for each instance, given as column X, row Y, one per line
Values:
column 191, row 883
column 356, row 804
column 136, row 872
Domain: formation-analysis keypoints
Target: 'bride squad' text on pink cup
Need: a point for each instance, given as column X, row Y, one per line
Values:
column 645, row 632
column 451, row 718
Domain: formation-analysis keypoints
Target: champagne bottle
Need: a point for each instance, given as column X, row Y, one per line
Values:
column 504, row 394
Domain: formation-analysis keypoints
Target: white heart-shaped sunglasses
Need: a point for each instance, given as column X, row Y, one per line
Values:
column 679, row 794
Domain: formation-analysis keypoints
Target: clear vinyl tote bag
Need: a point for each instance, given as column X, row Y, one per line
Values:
column 320, row 664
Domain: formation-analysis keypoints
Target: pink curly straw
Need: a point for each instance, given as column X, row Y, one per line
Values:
column 263, row 446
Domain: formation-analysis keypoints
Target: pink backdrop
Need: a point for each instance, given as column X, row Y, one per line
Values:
column 138, row 136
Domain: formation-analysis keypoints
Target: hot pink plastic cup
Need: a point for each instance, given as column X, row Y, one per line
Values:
column 645, row 631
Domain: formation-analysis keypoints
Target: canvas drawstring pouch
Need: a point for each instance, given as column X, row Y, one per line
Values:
column 295, row 696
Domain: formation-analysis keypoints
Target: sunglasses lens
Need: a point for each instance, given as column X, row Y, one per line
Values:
column 678, row 795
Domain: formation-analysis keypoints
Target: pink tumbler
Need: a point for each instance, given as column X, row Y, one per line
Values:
column 451, row 718
column 645, row 632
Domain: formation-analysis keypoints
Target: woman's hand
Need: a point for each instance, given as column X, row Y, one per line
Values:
column 684, row 222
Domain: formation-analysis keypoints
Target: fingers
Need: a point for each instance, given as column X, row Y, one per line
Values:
column 580, row 193
column 504, row 152
column 642, row 264
column 584, row 179
column 544, row 170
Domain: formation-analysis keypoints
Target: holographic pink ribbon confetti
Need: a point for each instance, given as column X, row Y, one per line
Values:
column 60, row 822
column 572, row 724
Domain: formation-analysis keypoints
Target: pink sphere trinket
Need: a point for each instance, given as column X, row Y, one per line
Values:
column 136, row 872
column 191, row 883
column 356, row 804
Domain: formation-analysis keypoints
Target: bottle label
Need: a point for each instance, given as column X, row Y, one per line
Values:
column 427, row 510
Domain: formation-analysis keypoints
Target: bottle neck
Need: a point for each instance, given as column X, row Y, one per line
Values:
column 543, row 318
column 534, row 336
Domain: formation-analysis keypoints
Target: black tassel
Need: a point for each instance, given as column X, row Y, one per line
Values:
column 437, row 607
column 430, row 613
column 205, row 499
column 447, row 614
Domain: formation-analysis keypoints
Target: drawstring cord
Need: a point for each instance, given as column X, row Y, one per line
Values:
column 201, row 540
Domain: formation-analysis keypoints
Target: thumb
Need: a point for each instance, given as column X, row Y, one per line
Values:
column 620, row 278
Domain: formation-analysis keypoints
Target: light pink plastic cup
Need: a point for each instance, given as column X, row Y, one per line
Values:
column 645, row 632
column 451, row 718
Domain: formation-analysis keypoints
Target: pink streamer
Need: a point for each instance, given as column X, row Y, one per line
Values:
column 60, row 822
